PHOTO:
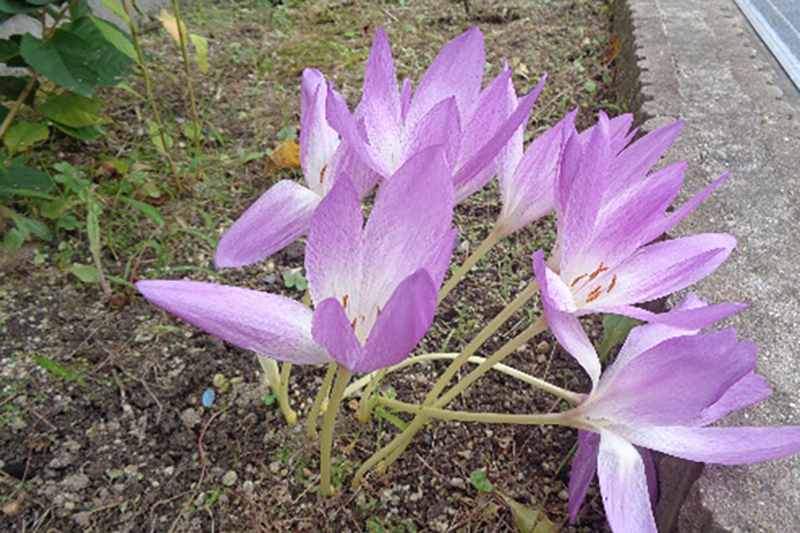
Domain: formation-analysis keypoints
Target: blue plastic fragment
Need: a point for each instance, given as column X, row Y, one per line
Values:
column 208, row 397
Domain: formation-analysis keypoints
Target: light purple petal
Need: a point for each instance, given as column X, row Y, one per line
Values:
column 651, row 474
column 333, row 250
column 440, row 126
column 339, row 117
column 401, row 324
column 749, row 390
column 439, row 260
column 276, row 220
column 689, row 319
column 529, row 193
column 405, row 98
column 564, row 324
column 673, row 382
column 496, row 103
column 466, row 178
column 642, row 338
column 619, row 129
column 679, row 214
column 623, row 485
column 720, row 445
column 665, row 267
column 412, row 215
column 333, row 330
column 318, row 141
column 456, row 71
column 580, row 189
column 584, row 466
column 380, row 103
column 631, row 166
column 268, row 324
column 347, row 161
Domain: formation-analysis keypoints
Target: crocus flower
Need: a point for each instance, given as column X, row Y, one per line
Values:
column 283, row 213
column 609, row 208
column 448, row 108
column 374, row 287
column 527, row 179
column 665, row 387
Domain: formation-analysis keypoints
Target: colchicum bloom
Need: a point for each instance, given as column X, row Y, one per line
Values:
column 448, row 108
column 374, row 287
column 283, row 213
column 665, row 387
column 527, row 180
column 609, row 208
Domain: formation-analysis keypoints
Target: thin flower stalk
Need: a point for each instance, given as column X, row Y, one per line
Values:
column 275, row 379
column 320, row 400
column 488, row 243
column 326, row 443
column 366, row 402
column 184, row 45
column 283, row 394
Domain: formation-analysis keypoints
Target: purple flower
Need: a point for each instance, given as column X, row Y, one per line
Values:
column 374, row 287
column 665, row 387
column 448, row 108
column 609, row 208
column 283, row 213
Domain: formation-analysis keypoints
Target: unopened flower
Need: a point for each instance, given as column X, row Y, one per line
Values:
column 374, row 286
column 666, row 386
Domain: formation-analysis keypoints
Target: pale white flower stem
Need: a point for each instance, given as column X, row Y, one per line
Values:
column 319, row 401
column 328, row 422
column 278, row 380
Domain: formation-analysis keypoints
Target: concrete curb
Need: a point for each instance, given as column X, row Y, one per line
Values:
column 700, row 61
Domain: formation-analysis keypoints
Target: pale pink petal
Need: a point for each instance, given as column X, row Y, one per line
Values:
column 584, row 467
column 720, row 445
column 268, row 324
column 749, row 390
column 623, row 485
column 276, row 220
column 333, row 330
column 440, row 126
column 318, row 141
column 401, row 324
column 456, row 71
column 333, row 250
column 562, row 322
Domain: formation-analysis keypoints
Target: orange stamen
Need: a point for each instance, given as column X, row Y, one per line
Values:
column 378, row 312
column 594, row 295
column 353, row 324
column 602, row 268
column 322, row 174
column 344, row 300
column 576, row 280
column 613, row 283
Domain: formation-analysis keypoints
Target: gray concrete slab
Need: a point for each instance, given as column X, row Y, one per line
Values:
column 700, row 61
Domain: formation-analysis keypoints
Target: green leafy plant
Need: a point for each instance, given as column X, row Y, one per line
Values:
column 75, row 55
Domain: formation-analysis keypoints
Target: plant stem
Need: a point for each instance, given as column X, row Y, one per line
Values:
column 184, row 52
column 492, row 239
column 564, row 394
column 365, row 405
column 12, row 113
column 149, row 87
column 283, row 395
column 396, row 447
column 523, row 297
column 342, row 378
column 271, row 372
column 322, row 395
column 558, row 419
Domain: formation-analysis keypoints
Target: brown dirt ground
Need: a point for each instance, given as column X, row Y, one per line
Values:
column 129, row 448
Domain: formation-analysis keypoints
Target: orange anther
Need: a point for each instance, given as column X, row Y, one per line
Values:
column 613, row 283
column 353, row 324
column 322, row 173
column 594, row 295
column 576, row 280
column 378, row 311
column 344, row 301
column 602, row 268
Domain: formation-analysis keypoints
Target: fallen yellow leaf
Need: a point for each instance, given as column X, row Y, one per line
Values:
column 286, row 155
column 170, row 24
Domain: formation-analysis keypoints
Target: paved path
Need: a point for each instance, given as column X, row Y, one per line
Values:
column 701, row 62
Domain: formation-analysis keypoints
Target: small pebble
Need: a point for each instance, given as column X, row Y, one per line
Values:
column 230, row 478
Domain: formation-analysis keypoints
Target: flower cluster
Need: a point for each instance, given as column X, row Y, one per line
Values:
column 374, row 285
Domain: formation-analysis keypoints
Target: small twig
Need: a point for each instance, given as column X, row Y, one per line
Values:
column 43, row 419
column 150, row 392
column 12, row 113
column 118, row 381
column 435, row 472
